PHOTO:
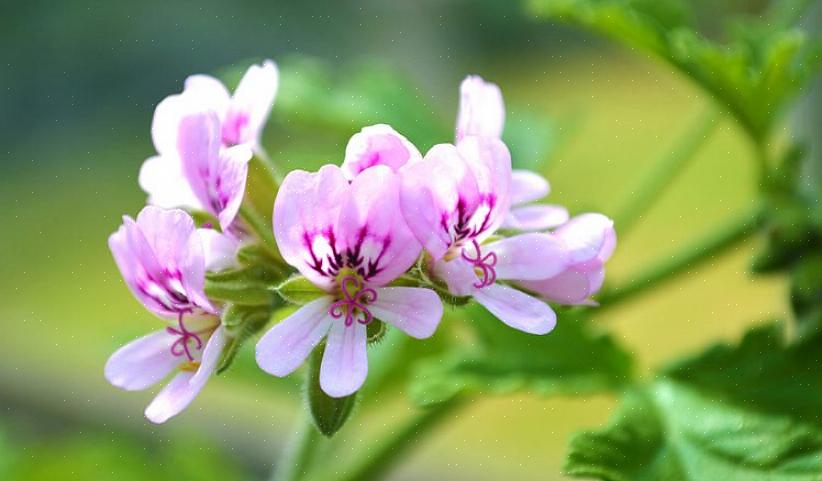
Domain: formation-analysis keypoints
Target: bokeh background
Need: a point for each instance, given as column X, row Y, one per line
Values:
column 79, row 81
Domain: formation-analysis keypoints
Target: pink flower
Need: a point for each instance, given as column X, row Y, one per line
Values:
column 204, row 139
column 590, row 240
column 349, row 239
column 378, row 145
column 162, row 260
column 482, row 113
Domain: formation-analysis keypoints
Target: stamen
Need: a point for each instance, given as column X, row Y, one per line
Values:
column 483, row 265
column 181, row 345
column 354, row 299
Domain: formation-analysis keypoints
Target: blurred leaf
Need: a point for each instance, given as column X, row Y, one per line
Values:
column 754, row 76
column 572, row 359
column 532, row 138
column 749, row 412
column 806, row 293
column 329, row 413
column 298, row 290
column 247, row 285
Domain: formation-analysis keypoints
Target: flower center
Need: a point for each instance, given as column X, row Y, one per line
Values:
column 182, row 346
column 483, row 265
column 355, row 296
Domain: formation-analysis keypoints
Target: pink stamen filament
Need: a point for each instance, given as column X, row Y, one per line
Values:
column 351, row 303
column 181, row 345
column 485, row 264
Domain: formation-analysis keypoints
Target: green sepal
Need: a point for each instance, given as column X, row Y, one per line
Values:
column 298, row 290
column 241, row 322
column 329, row 413
column 247, row 285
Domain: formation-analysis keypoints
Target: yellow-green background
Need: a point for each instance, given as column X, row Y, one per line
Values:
column 79, row 82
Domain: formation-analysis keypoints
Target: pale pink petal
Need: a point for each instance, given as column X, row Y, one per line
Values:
column 163, row 180
column 528, row 256
column 219, row 250
column 489, row 161
column 378, row 145
column 142, row 363
column 306, row 213
column 286, row 345
column 204, row 92
column 166, row 122
column 345, row 363
column 457, row 274
column 198, row 146
column 413, row 310
column 372, row 226
column 481, row 110
column 229, row 181
column 535, row 217
column 588, row 236
column 571, row 287
column 434, row 193
column 517, row 309
column 186, row 385
column 251, row 105
column 527, row 186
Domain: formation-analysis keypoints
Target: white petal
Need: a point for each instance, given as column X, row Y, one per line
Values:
column 345, row 363
column 528, row 256
column 163, row 180
column 413, row 310
column 517, row 309
column 535, row 217
column 142, row 362
column 220, row 250
column 527, row 186
column 588, row 236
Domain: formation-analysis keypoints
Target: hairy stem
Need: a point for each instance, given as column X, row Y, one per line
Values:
column 666, row 170
column 705, row 249
column 382, row 455
column 298, row 454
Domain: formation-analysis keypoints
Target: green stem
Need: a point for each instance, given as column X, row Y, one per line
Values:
column 260, row 227
column 705, row 249
column 382, row 455
column 298, row 455
column 666, row 170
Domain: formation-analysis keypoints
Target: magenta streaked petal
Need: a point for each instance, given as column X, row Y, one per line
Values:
column 481, row 110
column 372, row 226
column 588, row 236
column 142, row 363
column 433, row 193
column 489, row 161
column 517, row 309
column 378, row 145
column 527, row 186
column 535, row 217
column 251, row 104
column 306, row 213
column 413, row 310
column 529, row 256
column 286, row 345
column 134, row 258
column 198, row 146
column 162, row 178
column 345, row 362
column 219, row 250
column 230, row 175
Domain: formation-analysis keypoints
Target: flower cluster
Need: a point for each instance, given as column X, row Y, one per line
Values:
column 385, row 237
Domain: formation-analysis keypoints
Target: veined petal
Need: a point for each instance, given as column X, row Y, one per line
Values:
column 135, row 259
column 588, row 236
column 230, row 174
column 142, row 363
column 372, row 226
column 205, row 92
column 306, row 213
column 528, row 256
column 162, row 178
column 345, row 362
column 198, row 146
column 286, row 345
column 219, row 250
column 378, row 145
column 413, row 310
column 489, row 161
column 527, row 186
column 186, row 385
column 251, row 104
column 457, row 274
column 481, row 110
column 517, row 309
column 535, row 217
column 435, row 193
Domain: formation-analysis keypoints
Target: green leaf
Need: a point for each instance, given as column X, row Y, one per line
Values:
column 247, row 285
column 572, row 359
column 329, row 413
column 749, row 412
column 299, row 290
column 242, row 322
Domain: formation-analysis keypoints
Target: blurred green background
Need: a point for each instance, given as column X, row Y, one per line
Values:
column 78, row 84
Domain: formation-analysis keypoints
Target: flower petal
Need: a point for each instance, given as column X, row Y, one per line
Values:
column 231, row 172
column 535, row 217
column 162, row 178
column 413, row 310
column 528, row 256
column 457, row 274
column 198, row 147
column 572, row 287
column 481, row 111
column 251, row 104
column 489, row 161
column 345, row 362
column 219, row 250
column 588, row 236
column 204, row 92
column 434, row 193
column 378, row 145
column 517, row 309
column 527, row 186
column 286, row 345
column 371, row 225
column 186, row 385
column 142, row 362
column 306, row 213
